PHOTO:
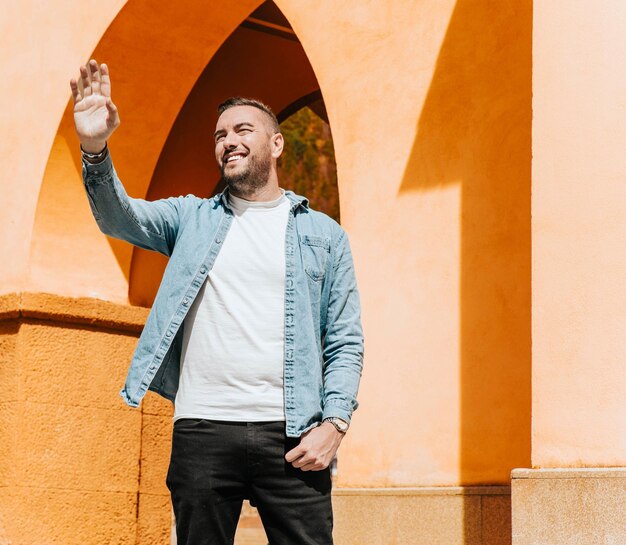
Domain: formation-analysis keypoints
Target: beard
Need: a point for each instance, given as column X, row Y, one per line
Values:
column 249, row 180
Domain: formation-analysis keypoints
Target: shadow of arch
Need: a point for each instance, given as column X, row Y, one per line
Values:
column 475, row 131
column 252, row 62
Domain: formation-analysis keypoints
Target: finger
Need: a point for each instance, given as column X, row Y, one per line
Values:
column 84, row 79
column 295, row 453
column 113, row 117
column 95, row 77
column 312, row 467
column 75, row 92
column 301, row 462
column 105, row 80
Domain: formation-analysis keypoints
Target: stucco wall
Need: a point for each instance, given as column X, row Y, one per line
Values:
column 433, row 164
column 579, row 226
column 430, row 108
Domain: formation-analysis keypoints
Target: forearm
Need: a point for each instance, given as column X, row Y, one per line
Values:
column 145, row 224
column 342, row 376
column 343, row 340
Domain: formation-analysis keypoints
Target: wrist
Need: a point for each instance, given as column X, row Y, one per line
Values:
column 93, row 147
column 338, row 423
column 94, row 157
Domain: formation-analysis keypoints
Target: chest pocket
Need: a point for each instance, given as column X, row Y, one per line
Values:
column 315, row 254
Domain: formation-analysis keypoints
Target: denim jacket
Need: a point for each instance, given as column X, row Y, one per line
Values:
column 323, row 352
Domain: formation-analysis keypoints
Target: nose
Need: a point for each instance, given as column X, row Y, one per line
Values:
column 231, row 140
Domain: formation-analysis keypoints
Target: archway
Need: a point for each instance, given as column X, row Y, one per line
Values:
column 262, row 58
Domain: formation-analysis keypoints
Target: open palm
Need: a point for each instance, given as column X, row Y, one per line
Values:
column 95, row 115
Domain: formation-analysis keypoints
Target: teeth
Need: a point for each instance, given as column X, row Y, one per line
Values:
column 234, row 158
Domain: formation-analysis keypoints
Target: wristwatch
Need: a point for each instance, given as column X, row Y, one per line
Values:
column 340, row 425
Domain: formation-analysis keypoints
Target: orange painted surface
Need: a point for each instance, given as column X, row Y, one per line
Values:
column 430, row 108
column 434, row 174
column 579, row 236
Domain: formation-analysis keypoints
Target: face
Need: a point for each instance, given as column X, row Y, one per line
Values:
column 245, row 150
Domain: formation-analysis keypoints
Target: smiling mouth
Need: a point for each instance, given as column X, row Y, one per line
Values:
column 234, row 158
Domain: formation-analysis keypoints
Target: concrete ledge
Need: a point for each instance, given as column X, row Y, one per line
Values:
column 426, row 491
column 570, row 473
column 81, row 311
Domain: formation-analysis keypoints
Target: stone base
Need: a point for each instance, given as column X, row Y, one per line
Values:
column 569, row 506
column 472, row 515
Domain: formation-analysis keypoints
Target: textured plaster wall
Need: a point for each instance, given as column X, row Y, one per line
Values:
column 76, row 465
column 429, row 104
column 42, row 42
column 579, row 255
column 430, row 107
column 569, row 505
column 70, row 452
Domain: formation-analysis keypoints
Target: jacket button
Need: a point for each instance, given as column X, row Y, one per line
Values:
column 202, row 270
column 168, row 334
column 218, row 240
column 185, row 301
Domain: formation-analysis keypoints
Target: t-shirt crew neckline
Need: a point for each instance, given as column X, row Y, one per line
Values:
column 242, row 204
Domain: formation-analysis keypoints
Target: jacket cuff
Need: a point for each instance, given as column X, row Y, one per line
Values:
column 98, row 170
column 337, row 409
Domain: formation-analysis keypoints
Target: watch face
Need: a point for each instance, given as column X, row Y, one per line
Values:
column 343, row 426
column 340, row 424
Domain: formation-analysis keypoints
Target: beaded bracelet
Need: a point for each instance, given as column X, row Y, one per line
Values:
column 94, row 156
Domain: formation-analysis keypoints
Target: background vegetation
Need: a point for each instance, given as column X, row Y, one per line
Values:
column 307, row 165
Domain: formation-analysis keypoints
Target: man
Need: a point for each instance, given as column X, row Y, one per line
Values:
column 255, row 332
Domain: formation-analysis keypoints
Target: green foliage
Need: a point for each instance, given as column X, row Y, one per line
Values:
column 307, row 165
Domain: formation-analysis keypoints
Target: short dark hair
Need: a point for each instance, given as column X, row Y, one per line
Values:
column 242, row 101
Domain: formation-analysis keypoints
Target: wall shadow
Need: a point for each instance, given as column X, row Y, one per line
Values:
column 475, row 129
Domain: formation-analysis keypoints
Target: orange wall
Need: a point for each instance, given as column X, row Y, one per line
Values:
column 69, row 451
column 579, row 257
column 44, row 42
column 429, row 104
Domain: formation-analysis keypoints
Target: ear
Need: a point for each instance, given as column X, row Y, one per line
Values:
column 277, row 143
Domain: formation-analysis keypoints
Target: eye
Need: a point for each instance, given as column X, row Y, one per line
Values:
column 243, row 130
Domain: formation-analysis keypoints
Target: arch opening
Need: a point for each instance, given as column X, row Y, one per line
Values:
column 264, row 59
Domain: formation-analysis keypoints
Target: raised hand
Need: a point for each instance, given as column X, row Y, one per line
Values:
column 95, row 115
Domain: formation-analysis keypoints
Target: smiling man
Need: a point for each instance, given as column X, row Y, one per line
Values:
column 255, row 334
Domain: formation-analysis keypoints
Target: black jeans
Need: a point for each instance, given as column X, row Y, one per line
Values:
column 215, row 465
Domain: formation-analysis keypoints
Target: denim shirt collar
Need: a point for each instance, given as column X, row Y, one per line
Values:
column 296, row 200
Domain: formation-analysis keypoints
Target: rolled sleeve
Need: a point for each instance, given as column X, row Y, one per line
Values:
column 343, row 343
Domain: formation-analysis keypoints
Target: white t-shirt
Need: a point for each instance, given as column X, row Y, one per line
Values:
column 233, row 339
